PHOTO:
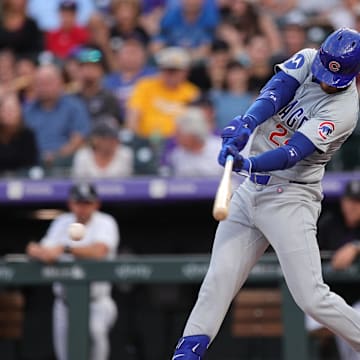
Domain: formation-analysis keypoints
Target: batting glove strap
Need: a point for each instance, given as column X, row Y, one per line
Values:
column 191, row 347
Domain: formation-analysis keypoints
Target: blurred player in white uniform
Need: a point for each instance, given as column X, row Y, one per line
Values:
column 301, row 117
column 100, row 241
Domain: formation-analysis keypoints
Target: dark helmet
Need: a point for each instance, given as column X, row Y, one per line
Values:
column 337, row 61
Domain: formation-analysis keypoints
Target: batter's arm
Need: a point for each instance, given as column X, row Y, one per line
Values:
column 277, row 93
column 284, row 157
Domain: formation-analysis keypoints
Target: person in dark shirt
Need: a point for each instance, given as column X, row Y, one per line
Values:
column 19, row 32
column 339, row 233
column 210, row 75
column 18, row 149
column 126, row 22
column 99, row 101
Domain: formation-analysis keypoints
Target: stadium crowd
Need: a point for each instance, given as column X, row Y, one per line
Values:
column 102, row 88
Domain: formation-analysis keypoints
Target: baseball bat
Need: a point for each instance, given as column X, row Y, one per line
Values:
column 223, row 193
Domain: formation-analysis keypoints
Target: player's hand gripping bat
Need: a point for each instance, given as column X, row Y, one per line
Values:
column 223, row 194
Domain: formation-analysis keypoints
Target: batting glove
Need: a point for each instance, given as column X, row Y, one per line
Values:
column 240, row 165
column 238, row 131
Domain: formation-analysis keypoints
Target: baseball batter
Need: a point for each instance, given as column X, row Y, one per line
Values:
column 301, row 117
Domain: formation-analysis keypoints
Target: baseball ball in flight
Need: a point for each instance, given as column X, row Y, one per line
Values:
column 76, row 231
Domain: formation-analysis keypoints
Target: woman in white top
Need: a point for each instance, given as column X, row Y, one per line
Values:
column 104, row 157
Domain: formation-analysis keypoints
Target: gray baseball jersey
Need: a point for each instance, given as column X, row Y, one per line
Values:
column 327, row 120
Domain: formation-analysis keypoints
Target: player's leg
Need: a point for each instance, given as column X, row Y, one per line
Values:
column 60, row 329
column 237, row 247
column 345, row 350
column 295, row 243
column 103, row 314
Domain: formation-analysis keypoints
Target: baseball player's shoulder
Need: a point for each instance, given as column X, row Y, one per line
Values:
column 299, row 65
column 104, row 219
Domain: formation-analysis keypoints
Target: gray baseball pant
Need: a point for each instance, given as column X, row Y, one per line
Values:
column 283, row 215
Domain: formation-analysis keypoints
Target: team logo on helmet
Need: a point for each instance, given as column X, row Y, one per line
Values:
column 325, row 129
column 334, row 66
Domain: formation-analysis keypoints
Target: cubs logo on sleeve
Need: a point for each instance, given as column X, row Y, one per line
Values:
column 325, row 129
column 295, row 62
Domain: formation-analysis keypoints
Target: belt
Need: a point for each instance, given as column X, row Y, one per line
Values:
column 262, row 179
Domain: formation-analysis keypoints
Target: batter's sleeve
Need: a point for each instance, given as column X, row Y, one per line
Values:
column 299, row 65
column 328, row 127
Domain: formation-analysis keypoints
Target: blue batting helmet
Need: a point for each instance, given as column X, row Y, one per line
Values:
column 337, row 61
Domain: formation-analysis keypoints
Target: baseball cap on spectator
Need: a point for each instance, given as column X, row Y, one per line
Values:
column 352, row 190
column 173, row 58
column 70, row 5
column 192, row 121
column 83, row 192
column 90, row 55
column 234, row 64
column 295, row 18
column 104, row 129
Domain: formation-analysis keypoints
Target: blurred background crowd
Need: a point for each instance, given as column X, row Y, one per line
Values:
column 114, row 88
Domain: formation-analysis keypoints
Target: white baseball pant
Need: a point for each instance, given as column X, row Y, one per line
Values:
column 102, row 316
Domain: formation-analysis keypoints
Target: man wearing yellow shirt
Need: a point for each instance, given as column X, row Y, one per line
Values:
column 158, row 100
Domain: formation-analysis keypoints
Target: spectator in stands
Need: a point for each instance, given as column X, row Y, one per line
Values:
column 294, row 32
column 7, row 71
column 340, row 233
column 60, row 122
column 245, row 15
column 234, row 98
column 100, row 242
column 210, row 74
column 99, row 102
column 343, row 14
column 18, row 149
column 71, row 73
column 18, row 31
column 277, row 9
column 157, row 101
column 259, row 62
column 189, row 24
column 205, row 102
column 25, row 69
column 46, row 13
column 126, row 15
column 195, row 148
column 132, row 66
column 152, row 12
column 105, row 156
column 99, row 35
column 228, row 31
column 69, row 35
